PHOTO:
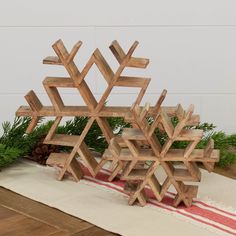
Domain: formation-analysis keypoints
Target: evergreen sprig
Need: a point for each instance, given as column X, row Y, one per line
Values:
column 8, row 155
column 15, row 143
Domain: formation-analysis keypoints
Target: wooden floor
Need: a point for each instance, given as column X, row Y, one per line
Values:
column 227, row 171
column 20, row 216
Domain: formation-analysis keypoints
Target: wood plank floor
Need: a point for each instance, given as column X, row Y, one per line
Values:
column 229, row 172
column 21, row 216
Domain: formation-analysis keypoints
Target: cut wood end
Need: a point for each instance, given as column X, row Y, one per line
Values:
column 147, row 61
column 113, row 42
column 79, row 43
column 31, row 92
column 96, row 51
column 52, row 60
column 164, row 92
column 59, row 41
column 132, row 48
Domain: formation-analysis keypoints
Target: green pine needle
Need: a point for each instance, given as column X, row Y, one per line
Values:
column 15, row 143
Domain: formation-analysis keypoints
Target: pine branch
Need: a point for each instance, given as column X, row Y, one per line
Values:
column 14, row 142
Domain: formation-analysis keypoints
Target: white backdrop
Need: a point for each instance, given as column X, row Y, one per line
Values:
column 191, row 45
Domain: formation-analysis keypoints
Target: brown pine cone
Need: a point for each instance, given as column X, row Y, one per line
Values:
column 40, row 152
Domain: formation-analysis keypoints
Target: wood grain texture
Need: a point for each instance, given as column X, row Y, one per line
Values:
column 24, row 217
column 162, row 155
column 137, row 153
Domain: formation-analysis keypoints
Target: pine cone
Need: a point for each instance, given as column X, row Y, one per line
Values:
column 40, row 152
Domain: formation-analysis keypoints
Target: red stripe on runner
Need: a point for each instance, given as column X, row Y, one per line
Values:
column 198, row 201
column 212, row 216
column 202, row 221
column 218, row 209
column 169, row 201
column 163, row 207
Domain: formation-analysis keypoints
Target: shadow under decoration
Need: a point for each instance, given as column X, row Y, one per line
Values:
column 136, row 154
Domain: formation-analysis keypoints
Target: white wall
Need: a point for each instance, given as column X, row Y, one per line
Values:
column 191, row 45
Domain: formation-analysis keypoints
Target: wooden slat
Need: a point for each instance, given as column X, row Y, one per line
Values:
column 55, row 97
column 110, row 111
column 117, row 51
column 133, row 134
column 33, row 101
column 197, row 155
column 209, row 166
column 76, row 148
column 105, row 127
column 132, row 49
column 87, row 95
column 183, row 175
column 209, row 148
column 138, row 62
column 52, row 60
column 128, row 168
column 76, row 170
column 74, row 73
column 32, row 125
column 142, row 198
column 127, row 81
column 74, row 51
column 194, row 120
column 190, row 134
column 189, row 192
column 85, row 70
column 166, row 184
column 59, row 46
column 133, row 147
column 142, row 93
column 120, row 141
column 160, row 101
column 114, row 147
column 103, row 66
column 87, row 157
column 116, row 171
column 155, row 186
column 183, row 122
column 63, row 55
column 35, row 107
column 180, row 112
column 207, row 153
column 57, row 159
column 154, row 125
column 53, row 128
column 193, row 170
column 144, row 111
column 136, row 174
column 63, row 140
column 126, row 155
column 166, row 122
column 190, row 147
column 63, row 82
